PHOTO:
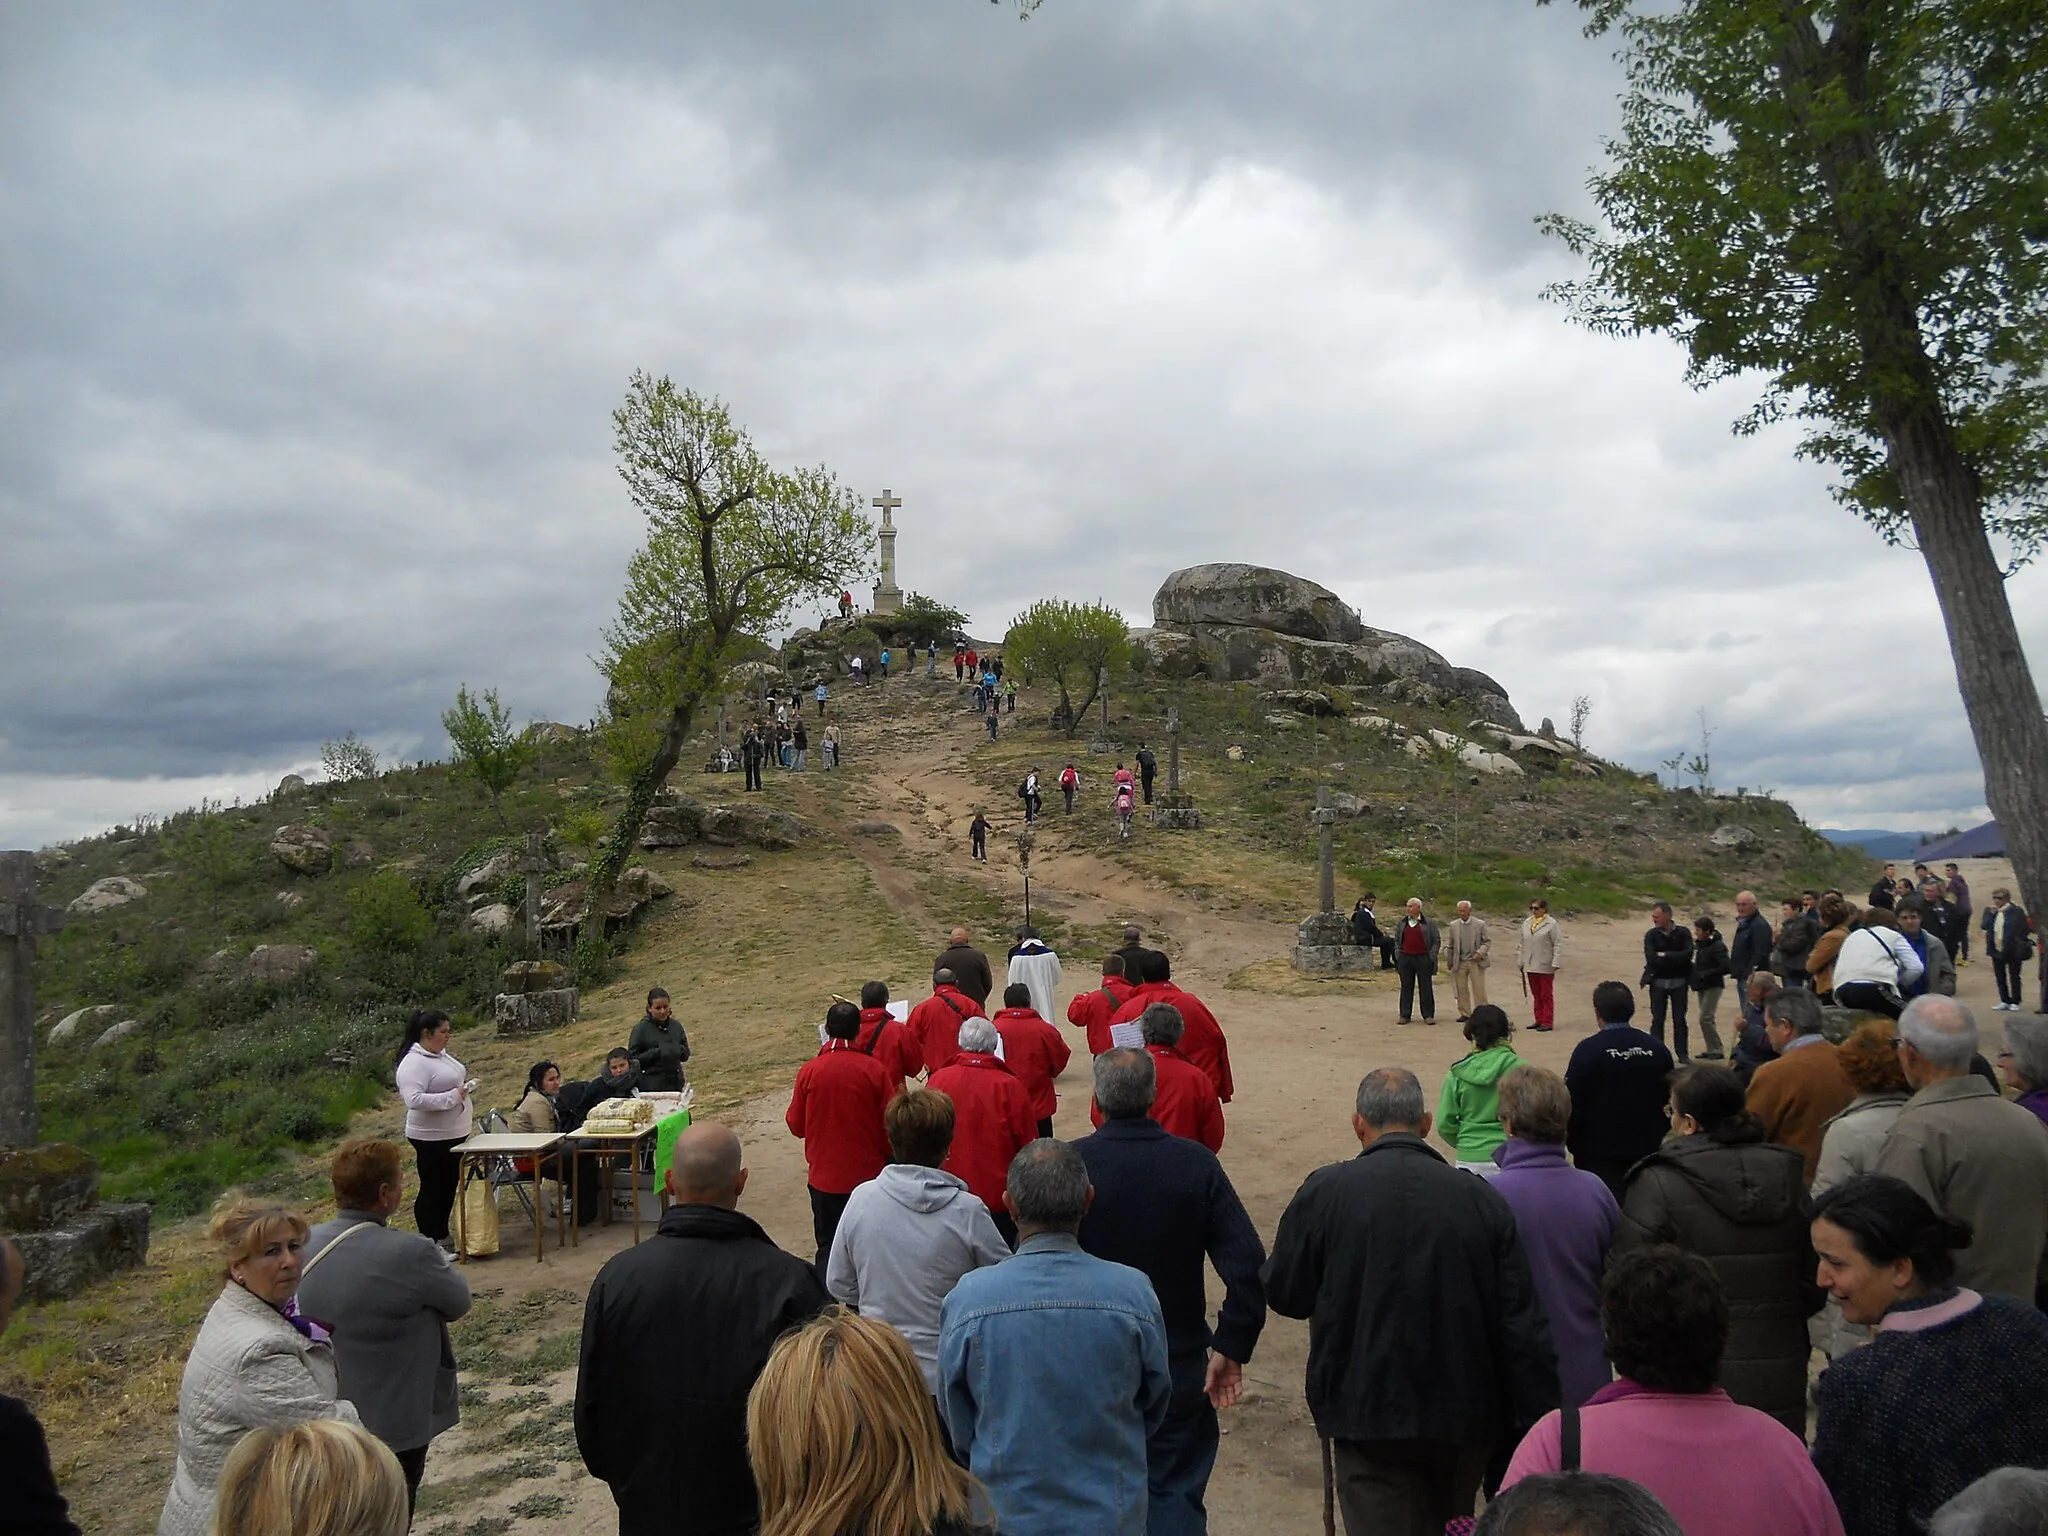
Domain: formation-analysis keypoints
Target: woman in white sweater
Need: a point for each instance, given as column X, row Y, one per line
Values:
column 1876, row 966
column 435, row 1087
column 256, row 1364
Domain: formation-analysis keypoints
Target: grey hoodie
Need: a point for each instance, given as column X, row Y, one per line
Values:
column 908, row 1234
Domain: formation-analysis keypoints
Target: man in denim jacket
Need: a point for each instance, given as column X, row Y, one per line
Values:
column 1053, row 1365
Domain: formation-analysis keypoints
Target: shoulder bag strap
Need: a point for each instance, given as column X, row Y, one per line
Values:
column 1568, row 1438
column 314, row 1262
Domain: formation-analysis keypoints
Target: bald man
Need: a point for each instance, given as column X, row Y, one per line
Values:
column 969, row 966
column 35, row 1507
column 674, row 1333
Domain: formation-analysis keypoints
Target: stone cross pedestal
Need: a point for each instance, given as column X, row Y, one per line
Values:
column 536, row 994
column 49, row 1193
column 1175, row 811
column 1323, row 942
column 888, row 596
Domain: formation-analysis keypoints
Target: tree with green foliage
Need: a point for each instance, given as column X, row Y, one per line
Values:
column 348, row 759
column 925, row 621
column 1844, row 200
column 733, row 545
column 386, row 916
column 486, row 746
column 202, row 843
column 1071, row 645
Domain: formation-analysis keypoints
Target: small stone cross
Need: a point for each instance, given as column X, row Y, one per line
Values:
column 1326, row 838
column 888, row 501
column 1173, row 749
column 22, row 921
column 535, row 867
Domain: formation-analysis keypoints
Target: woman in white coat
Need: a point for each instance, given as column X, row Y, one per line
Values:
column 256, row 1363
column 435, row 1088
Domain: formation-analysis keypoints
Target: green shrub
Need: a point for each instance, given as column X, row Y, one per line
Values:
column 385, row 916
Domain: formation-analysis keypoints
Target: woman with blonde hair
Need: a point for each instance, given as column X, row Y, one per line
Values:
column 257, row 1364
column 319, row 1478
column 844, row 1438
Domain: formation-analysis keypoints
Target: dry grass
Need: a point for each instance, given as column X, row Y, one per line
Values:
column 1279, row 978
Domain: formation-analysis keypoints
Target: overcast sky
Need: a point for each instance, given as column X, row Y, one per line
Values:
column 312, row 320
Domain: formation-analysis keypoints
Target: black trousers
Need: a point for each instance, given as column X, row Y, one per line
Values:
column 436, row 1201
column 826, row 1210
column 1146, row 781
column 977, row 844
column 1045, row 1129
column 1665, row 999
column 1416, row 970
column 1069, row 796
column 1611, row 1171
column 1870, row 997
column 2010, row 974
column 752, row 763
column 413, row 1464
column 1404, row 1487
column 1006, row 1227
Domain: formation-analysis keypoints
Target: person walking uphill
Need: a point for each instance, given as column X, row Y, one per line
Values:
column 1468, row 1110
column 1416, row 942
column 1427, row 1344
column 659, row 1047
column 969, row 966
column 1148, row 770
column 993, row 1117
column 435, row 1088
column 675, row 1331
column 1466, row 936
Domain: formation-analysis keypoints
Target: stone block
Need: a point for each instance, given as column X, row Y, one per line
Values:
column 1175, row 812
column 1323, row 943
column 279, row 963
column 532, row 1013
column 303, row 850
column 525, row 977
column 43, row 1186
column 66, row 1259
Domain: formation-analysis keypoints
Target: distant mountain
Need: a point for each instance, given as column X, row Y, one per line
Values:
column 1876, row 841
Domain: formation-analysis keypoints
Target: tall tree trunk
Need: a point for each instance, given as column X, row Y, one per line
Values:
column 647, row 783
column 1997, row 685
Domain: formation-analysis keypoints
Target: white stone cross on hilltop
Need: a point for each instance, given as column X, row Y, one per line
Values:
column 888, row 596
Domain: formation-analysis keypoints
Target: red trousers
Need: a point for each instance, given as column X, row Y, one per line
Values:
column 1543, row 1000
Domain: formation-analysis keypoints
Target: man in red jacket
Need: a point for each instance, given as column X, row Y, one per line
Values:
column 935, row 1022
column 1093, row 1010
column 882, row 1037
column 991, row 1120
column 1203, row 1043
column 836, row 1108
column 1185, row 1103
column 1033, row 1051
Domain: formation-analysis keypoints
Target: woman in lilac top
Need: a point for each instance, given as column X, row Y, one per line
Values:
column 2023, row 1064
column 1720, row 1468
column 1566, row 1218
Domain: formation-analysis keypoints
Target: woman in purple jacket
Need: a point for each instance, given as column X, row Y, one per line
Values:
column 1567, row 1219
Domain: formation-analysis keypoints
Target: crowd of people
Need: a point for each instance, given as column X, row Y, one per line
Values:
column 1592, row 1297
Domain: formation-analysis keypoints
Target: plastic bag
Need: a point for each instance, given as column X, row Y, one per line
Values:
column 476, row 1229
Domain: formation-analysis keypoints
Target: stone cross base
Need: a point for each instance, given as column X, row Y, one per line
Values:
column 531, row 1013
column 1323, row 943
column 525, row 976
column 1175, row 812
column 50, row 1201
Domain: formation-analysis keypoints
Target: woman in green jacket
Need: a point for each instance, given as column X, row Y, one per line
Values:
column 1468, row 1113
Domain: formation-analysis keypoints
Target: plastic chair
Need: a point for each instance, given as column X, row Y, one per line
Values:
column 503, row 1171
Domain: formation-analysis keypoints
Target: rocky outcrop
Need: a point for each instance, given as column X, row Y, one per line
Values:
column 678, row 820
column 105, row 895
column 277, row 963
column 85, row 1019
column 1253, row 624
column 303, row 850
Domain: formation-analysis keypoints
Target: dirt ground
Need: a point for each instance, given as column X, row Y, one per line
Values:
column 880, row 906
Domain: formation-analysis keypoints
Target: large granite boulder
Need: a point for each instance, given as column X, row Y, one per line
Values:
column 303, row 850
column 1251, row 624
column 105, row 895
column 279, row 963
column 1254, row 597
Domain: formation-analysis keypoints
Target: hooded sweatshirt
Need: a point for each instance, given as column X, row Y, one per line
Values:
column 907, row 1237
column 1468, row 1112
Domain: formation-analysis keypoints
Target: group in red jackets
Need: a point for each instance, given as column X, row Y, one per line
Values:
column 1000, row 1074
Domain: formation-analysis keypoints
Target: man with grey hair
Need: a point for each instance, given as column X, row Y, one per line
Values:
column 1465, row 937
column 1969, row 1152
column 1162, row 1205
column 35, row 1506
column 1053, row 1365
column 1428, row 1348
column 1796, row 1094
column 2013, row 1501
column 1183, row 1099
column 1576, row 1504
column 1416, row 943
column 992, row 1118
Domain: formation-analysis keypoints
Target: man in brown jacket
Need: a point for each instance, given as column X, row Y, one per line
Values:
column 1796, row 1095
column 1971, row 1153
column 969, row 966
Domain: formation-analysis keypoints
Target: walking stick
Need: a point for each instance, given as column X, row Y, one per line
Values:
column 1329, row 1493
column 1525, row 986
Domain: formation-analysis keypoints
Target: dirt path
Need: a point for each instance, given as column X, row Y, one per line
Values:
column 1297, row 1061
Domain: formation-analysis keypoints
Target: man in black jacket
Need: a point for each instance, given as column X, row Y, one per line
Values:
column 1885, row 892
column 1163, row 1203
column 1618, row 1080
column 674, row 1333
column 969, row 966
column 1667, row 972
column 1749, row 950
column 34, row 1506
column 1428, row 1347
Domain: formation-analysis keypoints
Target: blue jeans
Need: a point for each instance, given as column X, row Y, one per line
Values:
column 1180, row 1454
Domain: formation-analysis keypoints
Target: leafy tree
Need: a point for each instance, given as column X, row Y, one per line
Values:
column 203, row 844
column 924, row 621
column 386, row 916
column 1844, row 199
column 1070, row 645
column 348, row 759
column 486, row 746
column 584, row 831
column 733, row 545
